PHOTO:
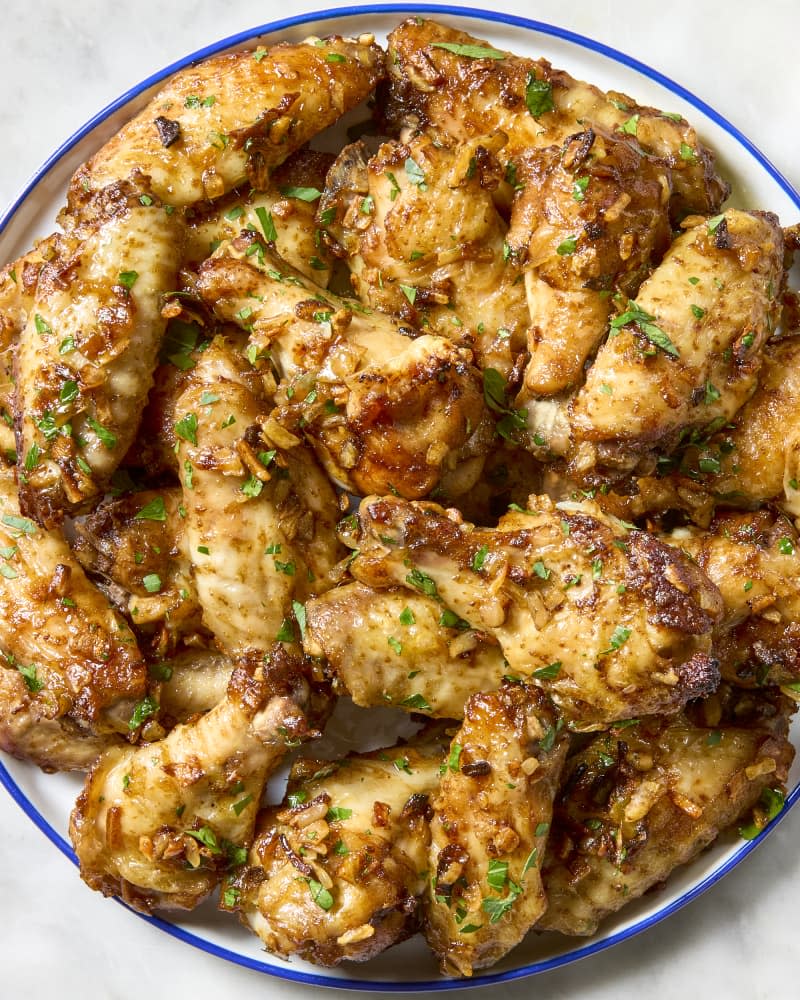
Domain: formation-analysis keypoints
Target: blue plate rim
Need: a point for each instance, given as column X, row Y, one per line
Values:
column 331, row 14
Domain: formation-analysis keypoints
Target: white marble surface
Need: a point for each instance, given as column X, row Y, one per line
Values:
column 61, row 62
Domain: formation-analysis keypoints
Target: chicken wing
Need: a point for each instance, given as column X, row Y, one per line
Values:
column 260, row 522
column 460, row 95
column 79, row 659
column 426, row 244
column 686, row 353
column 490, row 822
column 637, row 802
column 609, row 621
column 590, row 220
column 754, row 561
column 336, row 871
column 159, row 825
column 29, row 731
column 233, row 118
column 288, row 205
column 383, row 411
column 758, row 457
column 392, row 647
column 86, row 356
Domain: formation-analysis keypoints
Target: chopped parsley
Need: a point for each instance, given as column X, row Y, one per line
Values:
column 142, row 710
column 549, row 672
column 152, row 511
column 417, row 702
column 619, row 637
column 469, row 51
column 479, row 558
column 538, row 96
column 646, row 325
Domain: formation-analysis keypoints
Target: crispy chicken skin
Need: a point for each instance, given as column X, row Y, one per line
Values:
column 260, row 522
column 392, row 647
column 289, row 202
column 753, row 559
column 758, row 458
column 590, row 219
column 684, row 353
column 86, row 355
column 637, row 802
column 18, row 281
column 382, row 411
column 489, row 827
column 137, row 545
column 233, row 118
column 610, row 622
column 29, row 731
column 753, row 458
column 337, row 870
column 453, row 97
column 160, row 824
column 78, row 657
column 425, row 242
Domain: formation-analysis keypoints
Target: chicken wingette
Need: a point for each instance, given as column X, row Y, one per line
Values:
column 491, row 817
column 30, row 731
column 383, row 411
column 753, row 559
column 426, row 244
column 79, row 660
column 395, row 648
column 639, row 801
column 159, row 825
column 457, row 96
column 757, row 456
column 233, row 118
column 590, row 220
column 260, row 522
column 684, row 355
column 609, row 621
column 337, row 870
column 86, row 355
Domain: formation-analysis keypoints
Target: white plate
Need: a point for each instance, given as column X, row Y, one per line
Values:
column 47, row 799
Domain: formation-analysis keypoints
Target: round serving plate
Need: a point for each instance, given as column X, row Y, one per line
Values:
column 47, row 799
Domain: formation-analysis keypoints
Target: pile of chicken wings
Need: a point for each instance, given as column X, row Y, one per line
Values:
column 489, row 419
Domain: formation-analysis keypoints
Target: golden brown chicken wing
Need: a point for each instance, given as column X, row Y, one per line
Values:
column 685, row 353
column 79, row 659
column 490, row 822
column 639, row 801
column 383, row 411
column 159, row 825
column 260, row 521
column 233, row 118
column 336, row 871
column 459, row 96
column 393, row 647
column 426, row 244
column 609, row 621
column 754, row 561
column 86, row 356
column 590, row 220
